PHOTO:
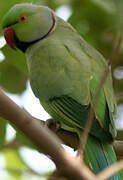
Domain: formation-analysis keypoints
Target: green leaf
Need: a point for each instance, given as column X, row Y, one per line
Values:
column 15, row 58
column 11, row 79
column 14, row 163
column 95, row 23
column 107, row 5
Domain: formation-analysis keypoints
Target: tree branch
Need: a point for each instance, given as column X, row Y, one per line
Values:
column 119, row 96
column 68, row 138
column 118, row 146
column 45, row 140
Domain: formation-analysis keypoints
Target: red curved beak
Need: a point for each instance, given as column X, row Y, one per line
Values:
column 9, row 36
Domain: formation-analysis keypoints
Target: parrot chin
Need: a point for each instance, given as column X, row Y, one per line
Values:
column 13, row 41
column 9, row 36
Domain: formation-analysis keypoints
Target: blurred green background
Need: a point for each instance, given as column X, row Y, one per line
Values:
column 100, row 24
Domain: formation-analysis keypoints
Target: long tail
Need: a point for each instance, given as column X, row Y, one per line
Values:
column 99, row 155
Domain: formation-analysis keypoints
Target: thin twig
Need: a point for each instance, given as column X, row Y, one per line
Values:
column 118, row 147
column 110, row 171
column 13, row 144
column 92, row 114
column 119, row 96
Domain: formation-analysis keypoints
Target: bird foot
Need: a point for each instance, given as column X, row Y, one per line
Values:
column 53, row 124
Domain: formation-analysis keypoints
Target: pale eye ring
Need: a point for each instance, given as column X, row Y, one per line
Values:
column 23, row 18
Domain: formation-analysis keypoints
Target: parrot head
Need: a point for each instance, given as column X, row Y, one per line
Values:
column 25, row 24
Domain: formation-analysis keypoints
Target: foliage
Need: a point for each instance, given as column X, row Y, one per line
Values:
column 99, row 22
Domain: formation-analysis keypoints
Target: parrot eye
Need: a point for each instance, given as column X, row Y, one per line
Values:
column 23, row 18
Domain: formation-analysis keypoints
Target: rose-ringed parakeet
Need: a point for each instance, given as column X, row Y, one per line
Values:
column 65, row 74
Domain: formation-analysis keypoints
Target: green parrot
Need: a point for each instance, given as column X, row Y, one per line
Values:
column 65, row 74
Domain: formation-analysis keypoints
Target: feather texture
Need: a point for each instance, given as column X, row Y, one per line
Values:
column 65, row 74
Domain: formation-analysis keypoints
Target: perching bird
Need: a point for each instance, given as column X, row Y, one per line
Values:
column 65, row 74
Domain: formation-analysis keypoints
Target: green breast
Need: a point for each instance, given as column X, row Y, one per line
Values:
column 54, row 72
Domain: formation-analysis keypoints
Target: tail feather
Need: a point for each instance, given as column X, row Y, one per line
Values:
column 73, row 115
column 99, row 155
